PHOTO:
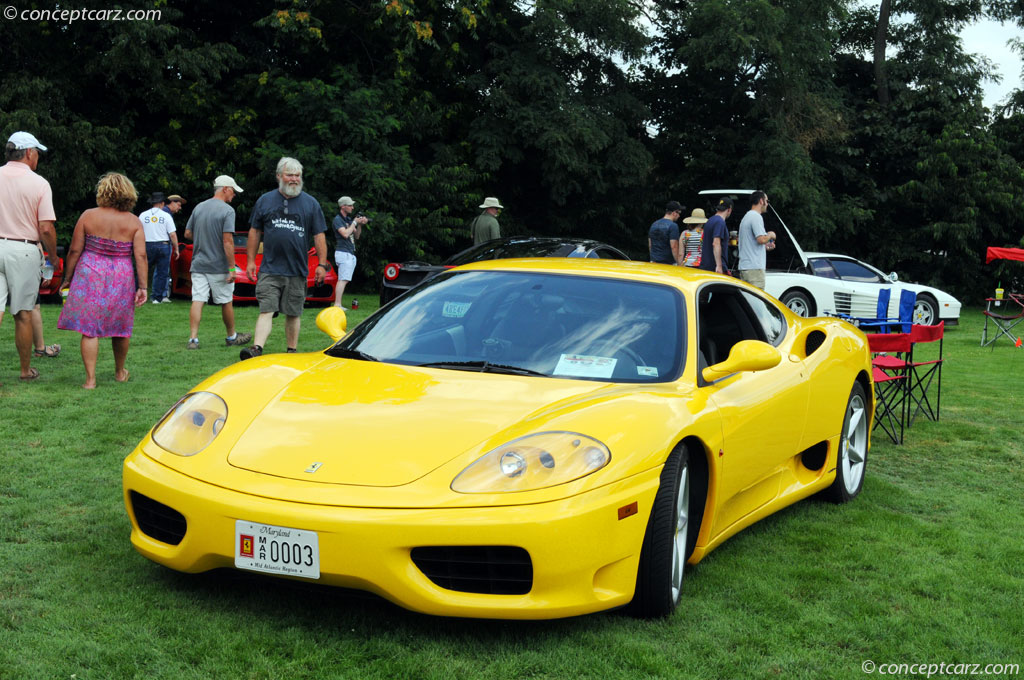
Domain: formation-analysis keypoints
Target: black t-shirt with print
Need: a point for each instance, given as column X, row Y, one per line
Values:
column 288, row 226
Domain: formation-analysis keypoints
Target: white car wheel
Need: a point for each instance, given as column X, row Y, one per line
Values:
column 926, row 311
column 798, row 303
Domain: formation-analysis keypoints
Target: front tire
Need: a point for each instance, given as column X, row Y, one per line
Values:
column 853, row 449
column 798, row 302
column 667, row 542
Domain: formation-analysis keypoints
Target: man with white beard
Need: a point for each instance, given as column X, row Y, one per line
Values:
column 287, row 220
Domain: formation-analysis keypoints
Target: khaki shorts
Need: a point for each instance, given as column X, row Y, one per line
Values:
column 285, row 294
column 212, row 288
column 20, row 275
column 754, row 277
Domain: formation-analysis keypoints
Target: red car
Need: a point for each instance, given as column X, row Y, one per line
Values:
column 245, row 288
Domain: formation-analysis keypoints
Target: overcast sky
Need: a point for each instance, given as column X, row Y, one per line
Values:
column 989, row 38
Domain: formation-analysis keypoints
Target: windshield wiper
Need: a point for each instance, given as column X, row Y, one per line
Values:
column 483, row 367
column 346, row 353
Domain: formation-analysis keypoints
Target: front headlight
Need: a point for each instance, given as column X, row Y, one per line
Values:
column 535, row 461
column 192, row 424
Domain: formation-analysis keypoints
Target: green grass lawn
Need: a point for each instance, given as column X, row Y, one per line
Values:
column 926, row 566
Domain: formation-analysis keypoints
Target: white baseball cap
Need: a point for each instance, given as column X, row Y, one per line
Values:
column 345, row 200
column 25, row 140
column 226, row 181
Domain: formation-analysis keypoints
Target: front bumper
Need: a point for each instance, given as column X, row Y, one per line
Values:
column 584, row 556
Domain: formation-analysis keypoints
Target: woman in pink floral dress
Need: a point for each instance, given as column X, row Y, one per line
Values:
column 104, row 294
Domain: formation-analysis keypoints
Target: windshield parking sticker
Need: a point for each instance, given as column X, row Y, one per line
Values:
column 584, row 366
column 455, row 310
column 647, row 371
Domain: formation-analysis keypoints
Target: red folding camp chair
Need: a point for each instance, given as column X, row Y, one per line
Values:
column 891, row 374
column 923, row 372
column 890, row 406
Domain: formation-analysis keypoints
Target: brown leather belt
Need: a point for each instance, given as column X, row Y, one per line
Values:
column 19, row 240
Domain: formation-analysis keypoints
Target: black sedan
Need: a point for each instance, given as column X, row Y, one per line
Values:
column 400, row 277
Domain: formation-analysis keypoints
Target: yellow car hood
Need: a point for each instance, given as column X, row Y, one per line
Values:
column 375, row 424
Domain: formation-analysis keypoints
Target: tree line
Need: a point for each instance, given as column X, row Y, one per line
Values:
column 864, row 122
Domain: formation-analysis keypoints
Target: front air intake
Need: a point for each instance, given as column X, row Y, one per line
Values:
column 489, row 569
column 158, row 521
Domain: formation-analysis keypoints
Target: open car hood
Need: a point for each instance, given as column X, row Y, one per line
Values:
column 787, row 256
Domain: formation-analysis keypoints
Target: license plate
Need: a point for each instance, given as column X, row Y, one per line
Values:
column 276, row 550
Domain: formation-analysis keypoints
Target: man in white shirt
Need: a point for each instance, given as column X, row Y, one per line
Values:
column 754, row 241
column 161, row 245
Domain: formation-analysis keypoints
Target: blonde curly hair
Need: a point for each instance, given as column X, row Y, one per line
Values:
column 114, row 190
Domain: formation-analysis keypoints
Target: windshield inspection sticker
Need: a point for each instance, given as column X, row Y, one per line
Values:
column 584, row 366
column 647, row 371
column 455, row 310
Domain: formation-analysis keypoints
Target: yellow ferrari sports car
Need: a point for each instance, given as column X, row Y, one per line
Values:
column 511, row 439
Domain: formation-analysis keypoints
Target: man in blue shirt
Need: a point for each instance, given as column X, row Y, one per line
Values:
column 286, row 220
column 663, row 236
column 714, row 256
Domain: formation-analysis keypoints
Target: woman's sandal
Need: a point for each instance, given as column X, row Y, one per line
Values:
column 48, row 351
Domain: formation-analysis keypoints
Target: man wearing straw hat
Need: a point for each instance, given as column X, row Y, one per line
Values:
column 485, row 226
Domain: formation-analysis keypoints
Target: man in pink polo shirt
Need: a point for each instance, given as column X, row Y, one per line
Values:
column 26, row 219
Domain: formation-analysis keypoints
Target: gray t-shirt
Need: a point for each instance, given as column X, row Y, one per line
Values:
column 344, row 245
column 288, row 226
column 752, row 254
column 210, row 220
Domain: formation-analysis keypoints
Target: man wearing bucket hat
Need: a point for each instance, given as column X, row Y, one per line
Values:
column 692, row 237
column 485, row 226
column 26, row 220
column 174, row 203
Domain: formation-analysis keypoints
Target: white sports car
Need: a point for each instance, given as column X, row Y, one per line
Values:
column 841, row 284
column 816, row 284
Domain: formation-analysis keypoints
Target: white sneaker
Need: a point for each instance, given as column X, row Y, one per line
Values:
column 166, row 301
column 156, row 302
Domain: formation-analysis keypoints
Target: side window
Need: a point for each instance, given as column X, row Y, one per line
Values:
column 771, row 319
column 823, row 268
column 854, row 271
column 724, row 317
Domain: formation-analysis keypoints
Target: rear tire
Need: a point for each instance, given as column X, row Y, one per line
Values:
column 926, row 310
column 853, row 449
column 667, row 542
column 798, row 302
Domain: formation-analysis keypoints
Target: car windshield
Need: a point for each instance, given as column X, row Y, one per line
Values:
column 562, row 326
column 507, row 249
